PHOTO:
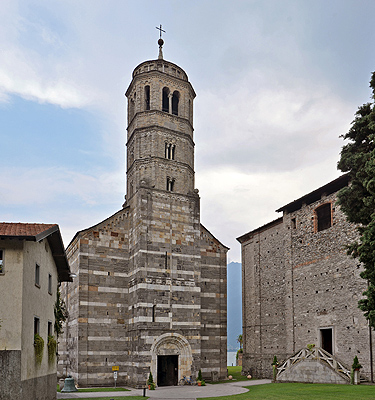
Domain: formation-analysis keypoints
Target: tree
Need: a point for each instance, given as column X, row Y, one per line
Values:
column 61, row 313
column 358, row 199
column 240, row 340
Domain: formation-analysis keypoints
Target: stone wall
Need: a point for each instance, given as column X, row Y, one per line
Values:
column 12, row 387
column 298, row 282
column 151, row 280
column 312, row 371
column 10, row 374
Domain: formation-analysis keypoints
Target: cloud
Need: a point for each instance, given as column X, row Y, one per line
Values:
column 235, row 202
column 39, row 187
column 270, row 126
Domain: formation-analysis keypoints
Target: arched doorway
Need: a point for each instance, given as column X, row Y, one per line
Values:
column 171, row 359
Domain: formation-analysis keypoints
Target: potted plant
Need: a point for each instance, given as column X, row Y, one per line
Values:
column 354, row 373
column 199, row 378
column 150, row 382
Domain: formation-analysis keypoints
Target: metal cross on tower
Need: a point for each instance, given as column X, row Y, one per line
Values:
column 160, row 29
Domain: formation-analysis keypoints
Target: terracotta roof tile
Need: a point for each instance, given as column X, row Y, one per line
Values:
column 22, row 229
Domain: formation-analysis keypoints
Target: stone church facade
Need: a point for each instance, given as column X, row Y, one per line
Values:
column 300, row 287
column 150, row 291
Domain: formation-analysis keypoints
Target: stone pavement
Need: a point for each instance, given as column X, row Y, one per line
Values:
column 175, row 392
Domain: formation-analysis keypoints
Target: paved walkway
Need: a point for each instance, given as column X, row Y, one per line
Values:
column 175, row 392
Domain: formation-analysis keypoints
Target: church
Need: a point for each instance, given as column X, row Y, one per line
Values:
column 151, row 280
column 300, row 288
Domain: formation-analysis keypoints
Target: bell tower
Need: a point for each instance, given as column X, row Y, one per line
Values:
column 164, row 219
column 160, row 146
column 150, row 292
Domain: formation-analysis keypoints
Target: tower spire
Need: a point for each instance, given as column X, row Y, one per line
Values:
column 160, row 42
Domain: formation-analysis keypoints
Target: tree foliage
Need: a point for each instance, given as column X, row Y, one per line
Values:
column 61, row 313
column 240, row 340
column 358, row 199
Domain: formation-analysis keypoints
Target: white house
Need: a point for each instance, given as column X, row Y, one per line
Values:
column 32, row 262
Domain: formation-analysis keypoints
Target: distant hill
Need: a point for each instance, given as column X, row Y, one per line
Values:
column 234, row 292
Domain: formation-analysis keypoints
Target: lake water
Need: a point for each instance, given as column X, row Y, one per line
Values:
column 231, row 358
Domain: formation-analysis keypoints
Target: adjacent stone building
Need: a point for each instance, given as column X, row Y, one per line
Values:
column 150, row 292
column 32, row 261
column 300, row 287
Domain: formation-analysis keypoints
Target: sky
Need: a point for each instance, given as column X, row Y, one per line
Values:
column 277, row 83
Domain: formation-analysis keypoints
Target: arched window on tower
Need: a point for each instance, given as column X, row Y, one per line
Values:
column 147, row 97
column 170, row 184
column 165, row 103
column 169, row 151
column 323, row 216
column 175, row 101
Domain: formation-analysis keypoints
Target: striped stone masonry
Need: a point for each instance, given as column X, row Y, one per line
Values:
column 150, row 292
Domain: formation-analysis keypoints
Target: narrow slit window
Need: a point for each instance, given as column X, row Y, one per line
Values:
column 50, row 332
column 175, row 101
column 153, row 313
column 165, row 101
column 1, row 261
column 49, row 283
column 147, row 97
column 324, row 217
column 36, row 325
column 37, row 275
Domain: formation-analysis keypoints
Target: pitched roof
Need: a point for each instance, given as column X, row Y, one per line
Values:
column 316, row 195
column 36, row 233
column 249, row 235
column 10, row 229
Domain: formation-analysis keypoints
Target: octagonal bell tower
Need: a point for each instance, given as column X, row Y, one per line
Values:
column 164, row 224
column 160, row 147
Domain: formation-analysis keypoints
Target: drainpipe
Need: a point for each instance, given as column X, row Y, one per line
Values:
column 371, row 363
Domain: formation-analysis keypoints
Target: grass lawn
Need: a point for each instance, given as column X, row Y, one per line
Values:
column 116, row 398
column 303, row 391
column 106, row 389
column 236, row 374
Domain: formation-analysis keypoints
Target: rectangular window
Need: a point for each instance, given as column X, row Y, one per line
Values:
column 49, row 283
column 37, row 275
column 50, row 332
column 36, row 325
column 1, row 261
column 324, row 217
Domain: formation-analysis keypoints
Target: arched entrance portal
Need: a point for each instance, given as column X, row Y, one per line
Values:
column 171, row 359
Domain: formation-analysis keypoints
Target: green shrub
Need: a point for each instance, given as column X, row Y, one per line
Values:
column 150, row 382
column 51, row 346
column 38, row 348
column 356, row 364
column 200, row 378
